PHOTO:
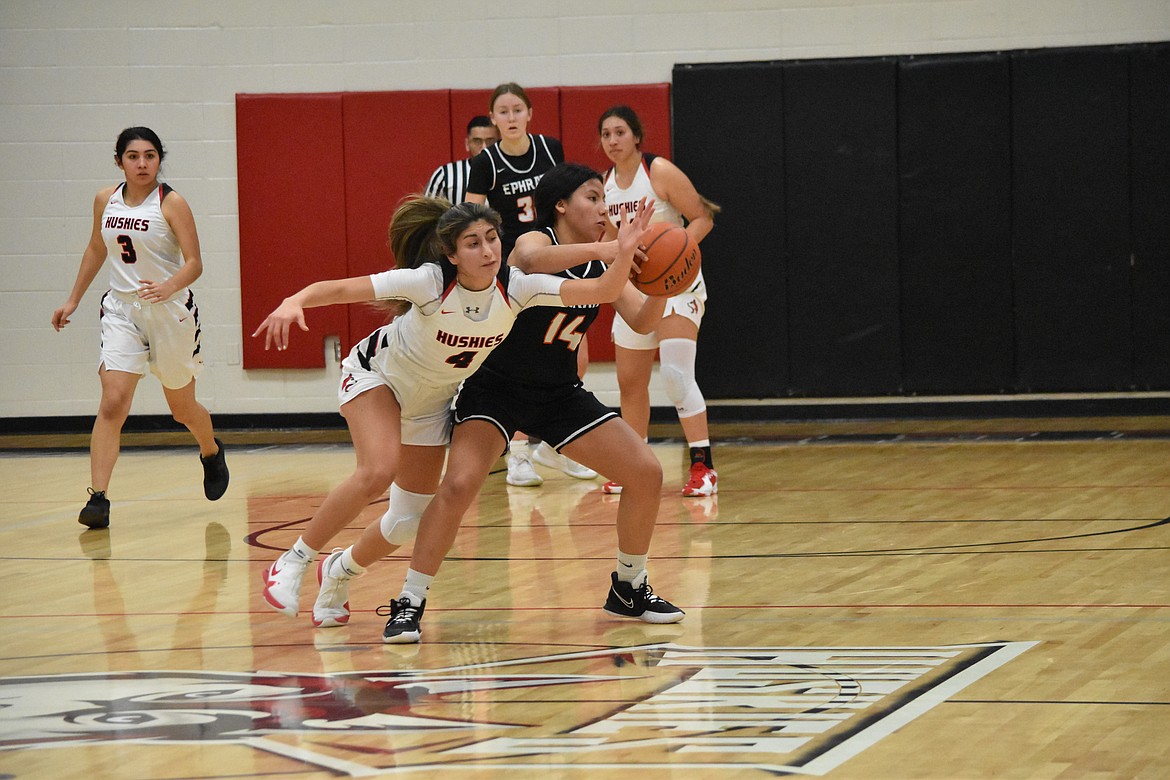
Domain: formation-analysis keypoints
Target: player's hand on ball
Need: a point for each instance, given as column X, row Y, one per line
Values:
column 632, row 229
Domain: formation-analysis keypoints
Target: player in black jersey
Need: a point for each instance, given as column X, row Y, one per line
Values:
column 506, row 173
column 505, row 176
column 530, row 383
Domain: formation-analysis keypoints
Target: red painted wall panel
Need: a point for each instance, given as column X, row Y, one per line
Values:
column 292, row 216
column 393, row 142
column 464, row 104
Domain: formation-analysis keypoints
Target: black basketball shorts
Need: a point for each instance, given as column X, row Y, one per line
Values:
column 556, row 415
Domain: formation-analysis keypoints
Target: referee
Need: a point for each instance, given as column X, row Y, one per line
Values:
column 450, row 181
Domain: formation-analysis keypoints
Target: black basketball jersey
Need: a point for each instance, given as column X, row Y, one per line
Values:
column 510, row 182
column 542, row 346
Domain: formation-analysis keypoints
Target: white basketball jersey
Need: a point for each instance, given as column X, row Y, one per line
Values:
column 640, row 187
column 139, row 242
column 447, row 333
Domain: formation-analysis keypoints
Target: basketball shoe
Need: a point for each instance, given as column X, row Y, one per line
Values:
column 96, row 512
column 703, row 481
column 520, row 470
column 624, row 600
column 403, row 626
column 547, row 456
column 331, row 609
column 611, row 488
column 282, row 582
column 215, row 474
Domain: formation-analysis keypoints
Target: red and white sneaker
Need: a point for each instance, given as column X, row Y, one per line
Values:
column 282, row 582
column 611, row 488
column 703, row 481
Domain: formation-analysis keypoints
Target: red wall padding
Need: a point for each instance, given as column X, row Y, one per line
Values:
column 292, row 216
column 321, row 174
column 393, row 141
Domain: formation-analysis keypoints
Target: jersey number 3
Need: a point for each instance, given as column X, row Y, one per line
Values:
column 525, row 209
column 129, row 256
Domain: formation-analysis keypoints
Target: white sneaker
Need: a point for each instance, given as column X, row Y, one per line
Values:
column 547, row 456
column 282, row 582
column 520, row 471
column 331, row 609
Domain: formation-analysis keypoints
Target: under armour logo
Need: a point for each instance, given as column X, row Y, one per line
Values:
column 471, row 310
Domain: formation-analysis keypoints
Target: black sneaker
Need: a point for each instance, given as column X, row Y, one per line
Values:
column 625, row 600
column 96, row 513
column 215, row 474
column 403, row 626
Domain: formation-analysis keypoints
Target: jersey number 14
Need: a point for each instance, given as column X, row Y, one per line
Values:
column 568, row 333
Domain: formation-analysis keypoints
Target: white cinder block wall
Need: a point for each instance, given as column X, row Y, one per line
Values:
column 74, row 73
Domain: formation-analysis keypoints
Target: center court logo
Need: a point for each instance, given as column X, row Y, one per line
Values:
column 778, row 710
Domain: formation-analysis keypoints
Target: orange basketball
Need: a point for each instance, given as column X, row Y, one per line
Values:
column 672, row 260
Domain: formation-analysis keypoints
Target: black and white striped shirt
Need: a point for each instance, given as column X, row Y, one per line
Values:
column 450, row 181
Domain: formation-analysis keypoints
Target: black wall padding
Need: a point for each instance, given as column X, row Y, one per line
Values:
column 841, row 199
column 728, row 140
column 1070, row 124
column 954, row 166
column 1150, row 161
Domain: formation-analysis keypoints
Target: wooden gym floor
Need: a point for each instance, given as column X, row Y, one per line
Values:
column 957, row 599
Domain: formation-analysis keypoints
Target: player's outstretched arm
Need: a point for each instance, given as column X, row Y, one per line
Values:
column 276, row 326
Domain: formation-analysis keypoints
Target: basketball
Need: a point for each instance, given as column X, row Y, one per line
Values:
column 672, row 260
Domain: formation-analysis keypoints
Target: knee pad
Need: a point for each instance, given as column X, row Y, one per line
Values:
column 677, row 369
column 400, row 522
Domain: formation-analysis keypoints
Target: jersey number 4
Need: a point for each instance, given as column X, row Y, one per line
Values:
column 129, row 256
column 462, row 359
column 559, row 331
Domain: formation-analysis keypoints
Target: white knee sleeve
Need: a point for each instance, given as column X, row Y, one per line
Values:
column 677, row 369
column 400, row 522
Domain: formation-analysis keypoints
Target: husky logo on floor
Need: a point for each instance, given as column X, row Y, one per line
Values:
column 197, row 706
column 789, row 710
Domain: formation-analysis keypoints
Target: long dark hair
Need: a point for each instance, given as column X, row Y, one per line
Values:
column 630, row 117
column 559, row 184
column 138, row 134
column 627, row 115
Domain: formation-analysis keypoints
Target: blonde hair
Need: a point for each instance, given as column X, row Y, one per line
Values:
column 510, row 88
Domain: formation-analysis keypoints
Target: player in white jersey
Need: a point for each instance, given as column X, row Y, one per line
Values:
column 531, row 383
column 636, row 175
column 397, row 385
column 450, row 181
column 148, row 317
